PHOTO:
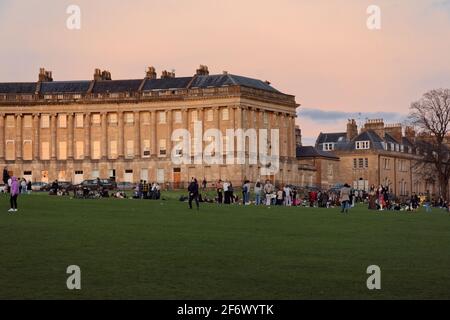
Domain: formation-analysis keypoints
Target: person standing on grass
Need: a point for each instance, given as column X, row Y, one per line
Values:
column 29, row 187
column 6, row 178
column 193, row 193
column 246, row 192
column 14, row 194
column 204, row 184
column 258, row 188
column 23, row 186
column 288, row 196
column 219, row 188
column 345, row 198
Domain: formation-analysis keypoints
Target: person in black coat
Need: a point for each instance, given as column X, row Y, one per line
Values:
column 6, row 178
column 193, row 193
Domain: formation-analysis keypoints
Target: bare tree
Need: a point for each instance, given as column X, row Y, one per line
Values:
column 431, row 117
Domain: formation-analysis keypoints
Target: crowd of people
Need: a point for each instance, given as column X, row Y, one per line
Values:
column 377, row 198
column 259, row 193
column 145, row 190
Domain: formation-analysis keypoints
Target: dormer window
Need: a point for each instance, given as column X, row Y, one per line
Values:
column 328, row 146
column 362, row 145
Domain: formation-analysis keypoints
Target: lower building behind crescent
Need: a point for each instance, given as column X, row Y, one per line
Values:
column 77, row 130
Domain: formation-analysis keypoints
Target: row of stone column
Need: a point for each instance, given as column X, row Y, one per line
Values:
column 236, row 116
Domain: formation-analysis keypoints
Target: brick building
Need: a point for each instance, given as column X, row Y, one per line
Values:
column 76, row 130
column 378, row 154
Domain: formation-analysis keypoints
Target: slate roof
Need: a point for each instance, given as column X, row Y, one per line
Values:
column 165, row 84
column 331, row 137
column 17, row 88
column 65, row 87
column 106, row 86
column 133, row 85
column 375, row 141
column 312, row 152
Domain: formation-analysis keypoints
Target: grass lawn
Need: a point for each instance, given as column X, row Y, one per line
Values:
column 130, row 249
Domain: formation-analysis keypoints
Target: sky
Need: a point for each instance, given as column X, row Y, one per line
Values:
column 320, row 51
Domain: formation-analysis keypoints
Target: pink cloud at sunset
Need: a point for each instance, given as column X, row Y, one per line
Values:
column 320, row 51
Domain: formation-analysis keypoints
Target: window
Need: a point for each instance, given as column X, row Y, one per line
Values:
column 62, row 120
column 79, row 120
column 96, row 119
column 62, row 150
column 179, row 149
column 45, row 151
column 45, row 121
column 162, row 117
column 10, row 150
column 130, row 149
column 402, row 166
column 162, row 147
column 194, row 116
column 328, row 146
column 96, row 150
column 113, row 149
column 95, row 174
column 129, row 118
column 225, row 114
column 360, row 163
column 113, row 118
column 146, row 148
column 160, row 176
column 387, row 164
column 362, row 145
column 144, row 174
column 79, row 150
column 178, row 117
column 210, row 115
column 27, row 150
column 265, row 118
column 27, row 121
column 330, row 170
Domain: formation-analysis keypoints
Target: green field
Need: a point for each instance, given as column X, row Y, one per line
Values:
column 131, row 249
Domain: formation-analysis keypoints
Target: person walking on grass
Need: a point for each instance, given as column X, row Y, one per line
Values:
column 14, row 194
column 345, row 198
column 193, row 193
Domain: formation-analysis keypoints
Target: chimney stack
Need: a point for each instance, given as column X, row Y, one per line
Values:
column 101, row 75
column 376, row 125
column 298, row 136
column 395, row 130
column 45, row 76
column 352, row 129
column 202, row 71
column 151, row 73
column 410, row 133
column 167, row 75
